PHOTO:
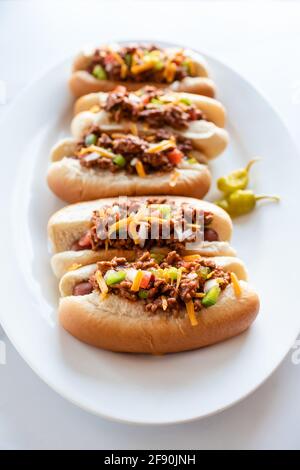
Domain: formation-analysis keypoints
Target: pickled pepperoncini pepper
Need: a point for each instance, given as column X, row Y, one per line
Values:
column 242, row 201
column 238, row 179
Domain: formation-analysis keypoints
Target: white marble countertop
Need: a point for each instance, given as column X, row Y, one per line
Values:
column 260, row 40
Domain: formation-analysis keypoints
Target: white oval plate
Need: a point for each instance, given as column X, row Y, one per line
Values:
column 145, row 389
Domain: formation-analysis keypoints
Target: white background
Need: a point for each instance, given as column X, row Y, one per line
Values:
column 261, row 41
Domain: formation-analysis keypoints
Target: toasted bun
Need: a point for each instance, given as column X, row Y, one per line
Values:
column 73, row 183
column 81, row 82
column 213, row 109
column 205, row 136
column 119, row 325
column 69, row 223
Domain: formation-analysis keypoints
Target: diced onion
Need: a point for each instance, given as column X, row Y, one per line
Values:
column 209, row 284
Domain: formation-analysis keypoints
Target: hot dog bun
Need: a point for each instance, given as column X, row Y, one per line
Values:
column 82, row 82
column 72, row 182
column 69, row 224
column 116, row 324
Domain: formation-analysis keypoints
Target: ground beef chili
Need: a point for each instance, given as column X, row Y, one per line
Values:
column 140, row 64
column 168, row 226
column 163, row 291
column 125, row 150
column 151, row 106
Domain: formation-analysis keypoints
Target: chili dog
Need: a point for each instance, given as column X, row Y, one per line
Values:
column 104, row 68
column 88, row 232
column 197, row 118
column 146, row 306
column 105, row 165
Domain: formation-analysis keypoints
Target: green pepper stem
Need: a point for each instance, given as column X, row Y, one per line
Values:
column 249, row 165
column 264, row 196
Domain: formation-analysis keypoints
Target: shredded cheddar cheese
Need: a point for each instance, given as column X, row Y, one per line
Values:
column 236, row 285
column 74, row 266
column 199, row 295
column 140, row 169
column 170, row 71
column 136, row 69
column 179, row 275
column 210, row 275
column 173, row 178
column 100, row 150
column 148, row 218
column 163, row 145
column 133, row 128
column 118, row 225
column 191, row 257
column 95, row 108
column 133, row 233
column 118, row 58
column 164, row 303
column 191, row 313
column 101, row 283
column 137, row 281
column 106, row 244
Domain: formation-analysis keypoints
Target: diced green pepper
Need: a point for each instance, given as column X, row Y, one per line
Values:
column 99, row 72
column 143, row 294
column 156, row 101
column 185, row 101
column 90, row 139
column 119, row 160
column 192, row 161
column 113, row 277
column 211, row 296
column 172, row 273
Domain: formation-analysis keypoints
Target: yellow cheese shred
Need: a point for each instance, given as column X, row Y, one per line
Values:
column 100, row 150
column 179, row 275
column 118, row 225
column 133, row 232
column 191, row 313
column 95, row 108
column 170, row 71
column 163, row 145
column 191, row 257
column 140, row 169
column 136, row 69
column 74, row 266
column 164, row 303
column 173, row 178
column 118, row 58
column 137, row 281
column 133, row 128
column 101, row 283
column 236, row 285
